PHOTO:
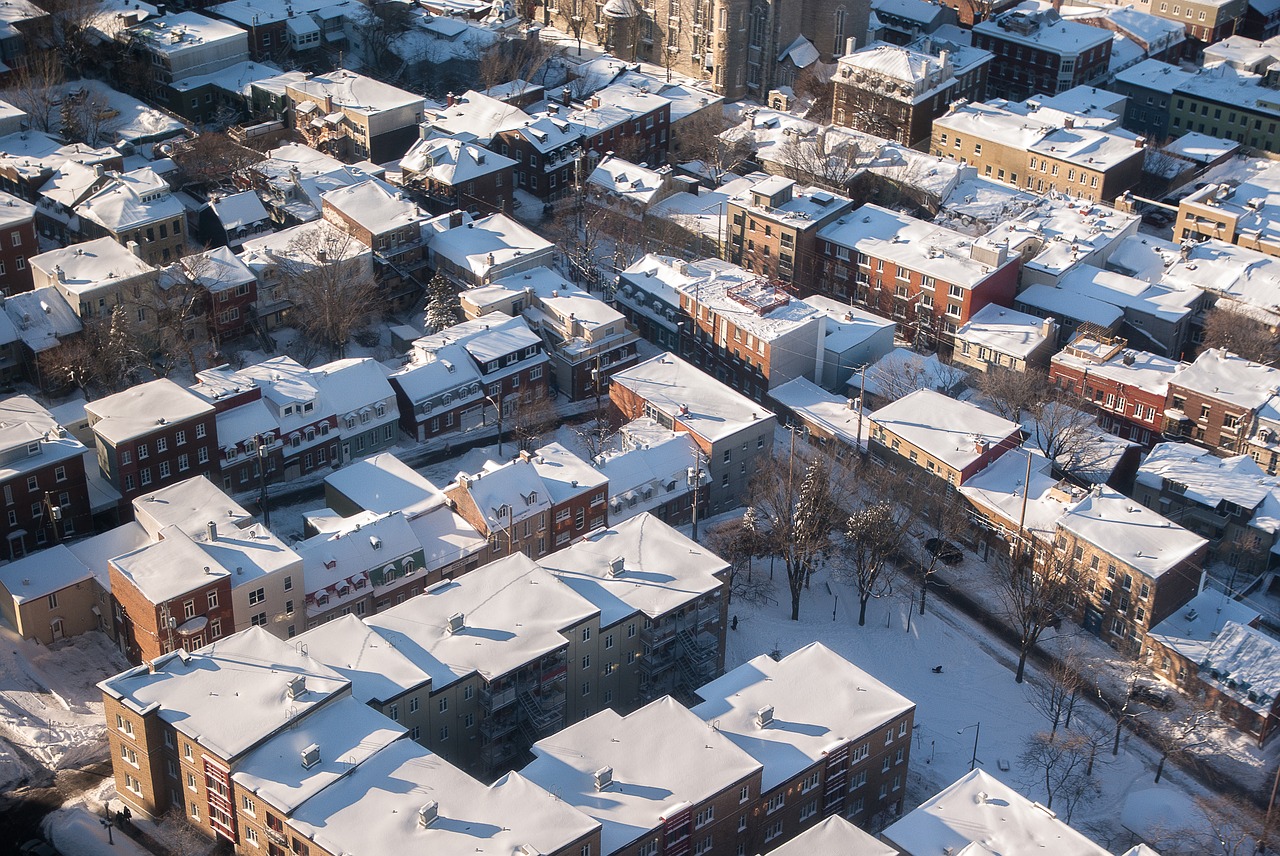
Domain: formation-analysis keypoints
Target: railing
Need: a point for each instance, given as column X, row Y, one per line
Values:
column 499, row 699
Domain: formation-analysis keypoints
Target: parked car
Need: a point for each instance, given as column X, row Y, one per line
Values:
column 1152, row 697
column 949, row 553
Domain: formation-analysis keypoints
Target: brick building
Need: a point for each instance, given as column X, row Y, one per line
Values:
column 1038, row 52
column 153, row 435
column 138, row 211
column 382, row 218
column 1216, row 400
column 549, row 160
column 453, row 174
column 353, row 117
column 18, row 220
column 42, row 478
column 952, row 440
column 773, row 229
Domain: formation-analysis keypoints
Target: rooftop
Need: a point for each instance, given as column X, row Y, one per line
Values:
column 848, row 326
column 375, row 205
column 1136, row 536
column 1155, row 75
column 819, row 700
column 42, row 573
column 30, row 437
column 1193, row 628
column 477, row 115
column 998, row 492
column 348, row 90
column 1234, row 380
column 1203, row 477
column 1005, row 331
column 89, row 265
column 565, row 474
column 834, row 836
column 1243, row 662
column 816, row 406
column 377, row 671
column 478, row 245
column 144, row 409
column 943, row 427
column 131, row 199
column 1141, row 369
column 627, row 180
column 382, row 484
column 171, row 34
column 452, row 162
column 686, row 394
column 1044, row 30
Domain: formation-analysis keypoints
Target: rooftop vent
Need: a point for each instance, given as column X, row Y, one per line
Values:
column 311, row 756
column 603, row 777
column 764, row 716
column 616, row 566
column 297, row 687
column 457, row 621
column 428, row 814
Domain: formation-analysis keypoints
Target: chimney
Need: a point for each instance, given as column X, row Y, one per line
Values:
column 428, row 814
column 1139, row 142
column 603, row 778
column 979, row 445
column 59, row 273
column 134, row 248
column 594, row 102
column 566, row 96
column 213, row 531
column 450, row 100
column 850, row 45
column 455, row 219
column 1047, row 327
column 1069, row 122
column 98, row 170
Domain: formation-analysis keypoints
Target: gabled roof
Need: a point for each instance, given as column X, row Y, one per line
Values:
column 1137, row 536
column 239, row 210
column 375, row 205
column 131, row 199
column 382, row 484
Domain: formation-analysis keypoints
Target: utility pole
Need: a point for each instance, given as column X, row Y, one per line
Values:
column 55, row 516
column 1022, row 515
column 695, row 481
column 262, row 441
column 862, row 397
column 497, row 406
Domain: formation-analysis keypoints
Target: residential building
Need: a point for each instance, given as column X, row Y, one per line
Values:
column 17, row 219
column 548, row 151
column 626, row 189
column 997, row 338
column 1009, row 142
column 930, row 279
column 289, row 32
column 153, row 435
column 733, row 432
column 382, row 218
column 205, row 570
column 586, row 339
column 980, row 809
column 42, row 479
column 453, row 174
column 901, row 372
column 230, row 290
column 1237, row 204
column 896, row 92
column 1216, row 400
column 183, row 45
column 620, row 117
column 1038, row 52
column 474, row 252
column 855, row 338
column 239, row 217
column 650, row 473
column 1261, row 20
column 95, row 277
column 1134, row 567
column 577, row 491
column 1206, row 22
column 952, row 440
column 293, row 178
column 32, row 157
column 833, row 837
column 364, row 402
column 354, row 118
column 1149, row 87
column 456, row 380
column 51, row 595
column 306, row 420
column 1223, row 101
column 1128, row 387
column 137, row 210
column 857, row 770
column 681, row 641
column 475, row 114
column 828, row 421
column 899, row 23
column 773, row 229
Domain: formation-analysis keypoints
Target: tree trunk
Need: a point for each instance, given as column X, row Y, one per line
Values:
column 1160, row 766
column 1071, row 706
column 924, row 589
column 1115, row 744
column 795, row 604
column 862, row 610
column 1022, row 664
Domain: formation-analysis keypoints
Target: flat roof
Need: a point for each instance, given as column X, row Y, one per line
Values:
column 686, row 394
column 144, row 409
column 814, row 404
column 90, row 264
column 564, row 473
column 42, row 573
column 1123, row 528
column 1006, row 331
column 943, row 427
column 1234, row 380
column 354, row 92
column 1207, row 479
column 999, row 490
column 1192, row 629
column 377, row 671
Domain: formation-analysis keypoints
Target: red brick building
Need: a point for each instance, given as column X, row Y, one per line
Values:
column 42, row 479
column 1214, row 401
column 17, row 243
column 384, row 219
column 1038, row 53
column 774, row 227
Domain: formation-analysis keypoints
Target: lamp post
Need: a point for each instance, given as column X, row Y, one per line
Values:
column 977, row 729
column 497, row 406
column 263, row 440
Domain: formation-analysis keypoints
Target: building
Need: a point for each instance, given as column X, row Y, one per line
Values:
column 239, row 217
column 95, row 277
column 1128, row 387
column 1223, row 101
column 17, row 219
column 897, row 92
column 733, row 432
column 1216, row 400
column 474, row 252
column 650, row 473
column 51, row 595
column 153, row 435
column 364, row 402
column 620, row 187
column 951, row 439
column 899, row 23
column 42, row 477
column 137, row 210
column 229, row 290
column 453, row 174
column 828, row 420
column 1149, row 87
column 857, row 771
column 998, row 338
column 739, row 326
column 291, row 33
column 383, row 219
column 1240, row 209
column 1038, row 52
column 979, row 809
column 1009, row 142
column 1206, row 22
column 183, row 45
column 834, row 836
column 1134, row 567
column 548, row 152
column 855, row 338
column 354, row 118
column 774, row 227
column 929, row 279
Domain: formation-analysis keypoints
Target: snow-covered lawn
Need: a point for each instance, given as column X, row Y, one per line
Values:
column 50, row 707
column 975, row 686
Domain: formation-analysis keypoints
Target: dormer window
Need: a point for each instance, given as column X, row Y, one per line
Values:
column 33, row 448
column 308, row 407
column 532, row 498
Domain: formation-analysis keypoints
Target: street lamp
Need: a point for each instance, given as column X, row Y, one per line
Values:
column 497, row 406
column 977, row 729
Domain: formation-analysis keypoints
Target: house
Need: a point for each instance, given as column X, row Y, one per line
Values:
column 292, row 179
column 827, row 420
column 306, row 419
column 137, row 209
column 979, row 809
column 548, row 153
column 929, row 279
column 856, row 770
column 353, row 118
column 1206, row 22
column 1215, row 401
column 855, row 338
column 51, row 595
column 230, row 290
column 42, row 478
column 732, row 432
column 1037, row 51
column 901, row 22
column 901, row 372
column 646, row 568
column 625, row 188
column 1149, row 87
column 1237, row 204
column 1175, row 648
column 238, row 217
column 32, row 157
column 94, row 277
column 951, row 439
column 292, row 32
column 477, row 115
column 454, row 174
column 774, row 229
column 997, row 338
column 577, row 491
column 650, row 473
column 474, row 252
column 153, row 435
column 17, row 219
column 365, row 405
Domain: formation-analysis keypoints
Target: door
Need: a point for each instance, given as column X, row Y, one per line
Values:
column 55, row 627
column 1093, row 621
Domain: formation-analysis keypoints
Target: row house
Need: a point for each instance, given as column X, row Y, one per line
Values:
column 380, row 217
column 773, row 229
column 623, row 118
column 739, row 326
column 548, row 154
column 1229, row 103
column 95, row 277
column 153, row 435
column 650, row 473
column 1206, row 21
column 999, row 338
column 50, row 595
column 897, row 92
column 32, row 158
column 620, row 187
column 586, row 339
column 1240, row 210
column 1038, row 52
column 472, row 252
column 1129, row 388
column 293, row 177
column 733, row 433
column 1217, row 402
column 232, row 219
column 454, row 174
column 460, row 378
column 928, row 278
column 42, row 476
column 18, row 222
column 225, row 291
column 353, row 117
column 289, row 32
column 203, row 570
column 137, row 210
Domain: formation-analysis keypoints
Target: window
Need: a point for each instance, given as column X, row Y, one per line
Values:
column 200, row 431
column 704, row 817
column 213, row 600
column 776, row 802
column 444, row 732
column 259, row 620
column 811, row 782
column 442, row 706
column 257, row 596
column 247, row 804
column 744, row 794
column 773, row 830
column 394, row 712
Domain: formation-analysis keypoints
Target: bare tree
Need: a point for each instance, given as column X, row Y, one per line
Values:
column 701, row 137
column 873, row 535
column 941, row 519
column 814, row 83
column 172, row 313
column 509, row 60
column 905, row 372
column 88, row 117
column 1034, row 588
column 212, row 159
column 1011, row 393
column 1241, row 334
column 530, row 417
column 69, row 22
column 1056, row 694
column 1067, row 435
column 1059, row 764
column 826, row 158
column 1187, row 731
column 381, row 26
column 36, row 88
column 180, row 837
column 1220, row 826
column 324, row 274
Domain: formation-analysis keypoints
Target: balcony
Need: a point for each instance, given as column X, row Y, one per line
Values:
column 493, row 700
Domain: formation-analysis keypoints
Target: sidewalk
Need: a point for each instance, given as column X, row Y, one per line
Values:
column 79, row 832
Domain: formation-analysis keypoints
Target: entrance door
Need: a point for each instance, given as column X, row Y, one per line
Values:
column 55, row 627
column 1093, row 621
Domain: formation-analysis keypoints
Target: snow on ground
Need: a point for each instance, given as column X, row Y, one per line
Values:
column 78, row 831
column 976, row 686
column 50, row 707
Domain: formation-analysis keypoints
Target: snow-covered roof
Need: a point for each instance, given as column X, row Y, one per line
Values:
column 1155, row 75
column 377, row 671
column 921, row 11
column 512, row 614
column 216, row 270
column 1005, row 331
column 90, row 264
column 943, row 427
column 337, row 563
column 355, row 384
column 232, row 694
column 979, row 814
column 480, row 245
column 801, row 52
column 848, row 326
column 376, row 206
column 189, row 505
column 476, row 114
column 239, row 210
column 686, row 394
column 1139, row 537
column 1250, row 280
column 375, row 808
column 350, row 91
column 445, row 537
column 1195, row 625
column 1062, row 231
column 30, row 438
column 131, row 199
column 1071, row 305
column 347, row 732
column 181, row 31
column 238, row 79
column 1201, row 148
column 1245, row 663
column 661, row 570
column 1168, row 302
column 1202, row 477
column 834, row 836
column 40, row 317
column 687, row 96
column 922, row 72
column 507, row 493
column 1223, row 376
column 1140, row 369
column 268, row 250
column 814, row 405
column 383, row 483
column 1045, row 31
column 819, row 700
column 42, row 573
column 1145, row 257
column 143, row 409
column 998, row 493
column 902, row 371
column 452, row 162
column 627, row 180
column 651, row 460
column 565, row 474
column 1021, row 126
column 663, row 758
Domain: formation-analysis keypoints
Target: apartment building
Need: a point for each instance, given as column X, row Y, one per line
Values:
column 385, row 220
column 930, row 279
column 950, row 439
column 453, row 174
column 354, row 118
column 550, row 162
column 364, row 403
column 1237, row 204
column 737, row 325
column 18, row 221
column 733, row 433
column 650, row 473
column 1128, row 387
column 1207, row 21
column 183, row 45
column 1010, row 143
column 475, row 252
column 305, row 421
column 773, row 229
column 138, row 211
column 298, row 250
column 153, row 435
column 1216, row 400
column 42, row 479
column 998, row 338
column 1149, row 87
column 1039, row 52
column 1226, row 102
column 94, row 277
column 230, row 290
